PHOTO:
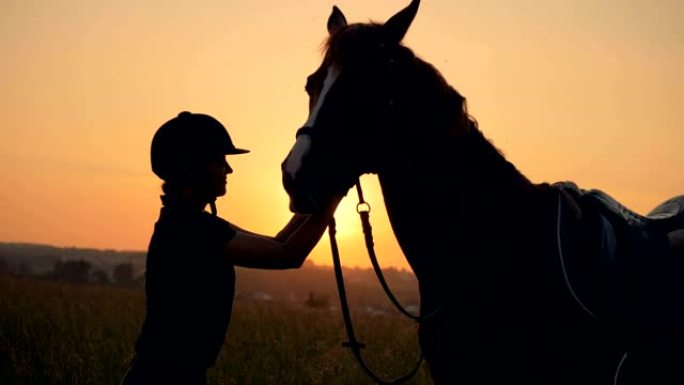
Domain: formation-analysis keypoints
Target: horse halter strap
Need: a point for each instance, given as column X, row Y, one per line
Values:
column 363, row 208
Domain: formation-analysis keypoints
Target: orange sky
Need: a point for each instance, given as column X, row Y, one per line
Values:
column 582, row 90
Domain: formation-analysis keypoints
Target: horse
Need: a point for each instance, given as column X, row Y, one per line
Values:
column 520, row 282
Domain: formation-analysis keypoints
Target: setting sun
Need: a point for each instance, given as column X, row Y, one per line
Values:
column 511, row 154
column 582, row 91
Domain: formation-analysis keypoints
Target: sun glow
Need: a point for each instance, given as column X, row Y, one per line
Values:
column 567, row 90
column 347, row 220
column 350, row 237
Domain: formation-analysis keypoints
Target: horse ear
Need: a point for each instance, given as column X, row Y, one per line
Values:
column 336, row 21
column 395, row 28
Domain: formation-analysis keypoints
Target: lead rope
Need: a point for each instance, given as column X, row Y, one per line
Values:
column 353, row 344
column 363, row 208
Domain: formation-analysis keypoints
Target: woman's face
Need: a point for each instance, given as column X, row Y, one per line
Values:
column 218, row 171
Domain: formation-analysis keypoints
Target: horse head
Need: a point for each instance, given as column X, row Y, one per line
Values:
column 355, row 101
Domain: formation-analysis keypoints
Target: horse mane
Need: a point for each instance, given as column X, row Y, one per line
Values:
column 453, row 130
column 460, row 130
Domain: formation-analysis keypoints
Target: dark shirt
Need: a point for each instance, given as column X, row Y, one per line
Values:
column 189, row 289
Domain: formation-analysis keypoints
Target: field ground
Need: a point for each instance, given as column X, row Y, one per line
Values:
column 60, row 333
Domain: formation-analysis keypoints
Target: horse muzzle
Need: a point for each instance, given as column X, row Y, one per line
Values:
column 301, row 200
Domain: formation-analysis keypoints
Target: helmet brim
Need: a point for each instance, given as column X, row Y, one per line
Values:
column 236, row 151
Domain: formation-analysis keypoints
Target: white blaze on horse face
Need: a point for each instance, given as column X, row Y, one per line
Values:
column 330, row 78
column 303, row 143
column 300, row 149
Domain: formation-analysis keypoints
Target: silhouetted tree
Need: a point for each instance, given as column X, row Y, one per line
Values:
column 72, row 271
column 123, row 273
column 320, row 301
column 24, row 270
column 99, row 276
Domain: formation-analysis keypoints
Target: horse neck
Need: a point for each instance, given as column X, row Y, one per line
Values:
column 467, row 174
column 440, row 200
column 447, row 157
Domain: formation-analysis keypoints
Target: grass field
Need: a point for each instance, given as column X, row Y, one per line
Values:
column 60, row 333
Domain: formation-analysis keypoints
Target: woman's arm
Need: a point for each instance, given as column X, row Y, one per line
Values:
column 288, row 249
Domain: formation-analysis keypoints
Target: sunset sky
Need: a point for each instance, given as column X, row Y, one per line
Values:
column 583, row 90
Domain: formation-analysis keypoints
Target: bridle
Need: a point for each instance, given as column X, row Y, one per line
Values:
column 363, row 209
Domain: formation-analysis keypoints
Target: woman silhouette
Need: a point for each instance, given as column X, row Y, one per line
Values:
column 190, row 276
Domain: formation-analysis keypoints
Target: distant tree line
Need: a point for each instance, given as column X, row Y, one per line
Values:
column 312, row 285
column 81, row 271
column 77, row 271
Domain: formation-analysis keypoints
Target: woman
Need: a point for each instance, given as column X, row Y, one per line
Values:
column 190, row 276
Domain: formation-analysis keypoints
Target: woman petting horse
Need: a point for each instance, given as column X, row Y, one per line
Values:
column 519, row 282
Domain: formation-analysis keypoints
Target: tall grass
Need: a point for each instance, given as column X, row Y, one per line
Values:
column 60, row 333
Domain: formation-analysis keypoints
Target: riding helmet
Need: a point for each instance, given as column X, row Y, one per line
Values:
column 189, row 141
